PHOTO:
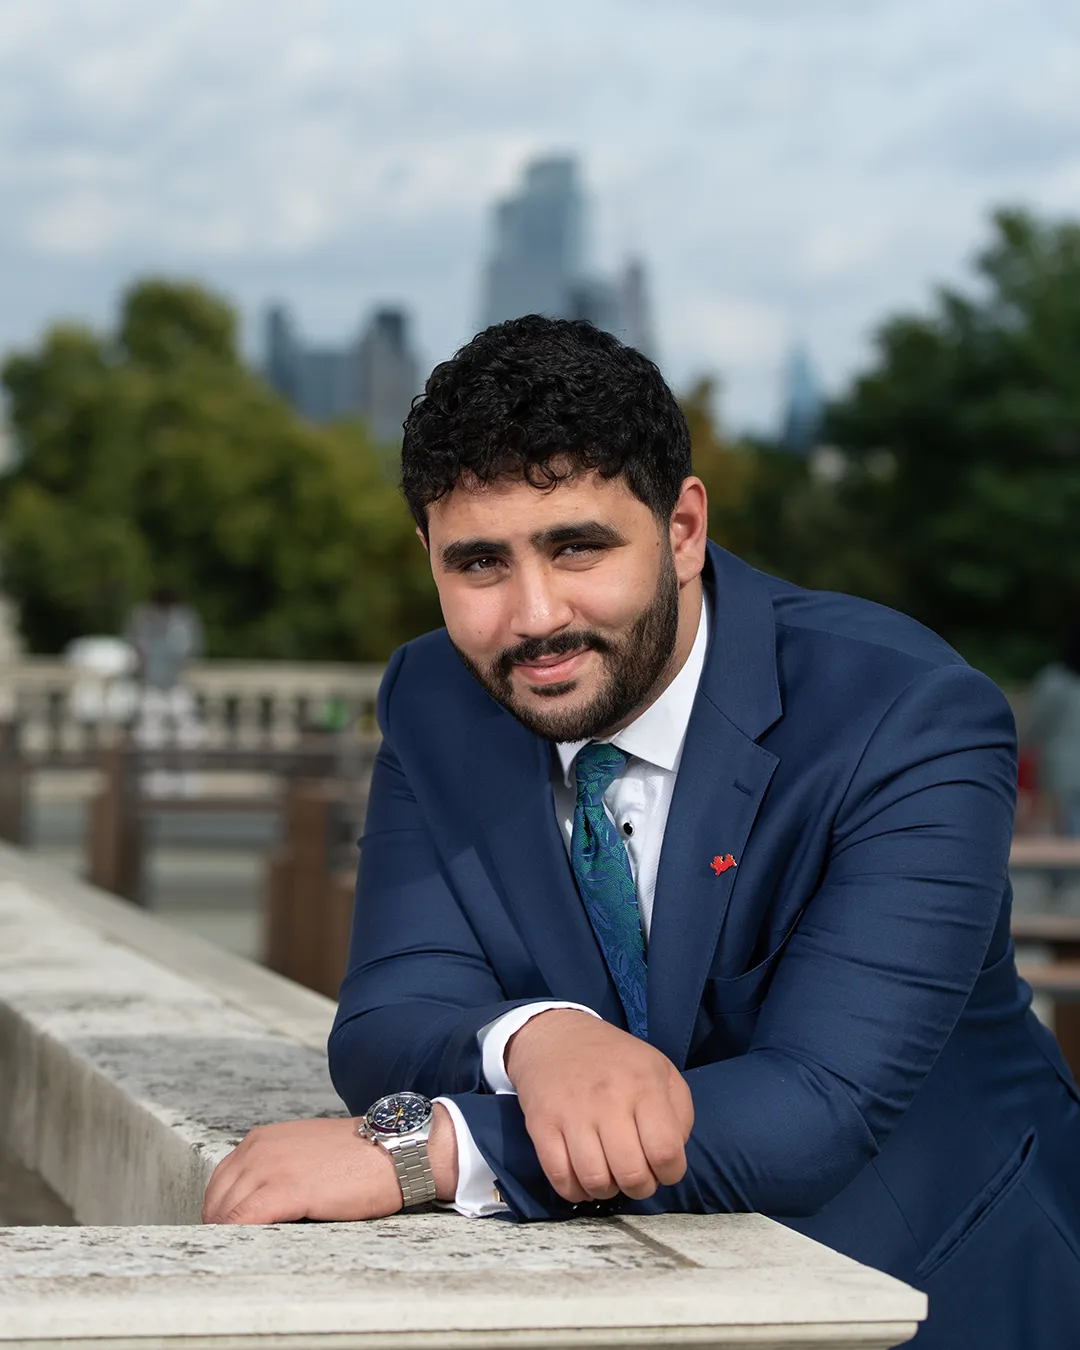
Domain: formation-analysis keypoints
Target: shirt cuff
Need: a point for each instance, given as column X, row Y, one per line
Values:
column 494, row 1038
column 477, row 1195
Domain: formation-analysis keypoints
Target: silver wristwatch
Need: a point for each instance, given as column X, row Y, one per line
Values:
column 401, row 1123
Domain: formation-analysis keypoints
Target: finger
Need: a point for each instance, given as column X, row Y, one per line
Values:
column 660, row 1132
column 590, row 1163
column 554, row 1158
column 221, row 1180
column 242, row 1183
column 266, row 1204
column 682, row 1102
column 626, row 1159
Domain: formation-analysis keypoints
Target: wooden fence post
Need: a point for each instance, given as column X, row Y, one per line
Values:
column 115, row 861
column 1067, row 1016
column 309, row 905
column 12, row 784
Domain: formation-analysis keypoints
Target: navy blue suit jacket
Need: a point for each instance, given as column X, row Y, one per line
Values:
column 844, row 1003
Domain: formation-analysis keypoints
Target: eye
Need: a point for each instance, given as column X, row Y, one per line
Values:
column 579, row 550
column 477, row 565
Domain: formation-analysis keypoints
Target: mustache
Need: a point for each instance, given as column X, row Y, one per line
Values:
column 535, row 649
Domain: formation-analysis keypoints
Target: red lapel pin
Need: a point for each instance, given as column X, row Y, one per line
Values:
column 719, row 864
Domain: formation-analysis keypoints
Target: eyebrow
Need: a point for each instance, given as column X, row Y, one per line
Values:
column 581, row 531
column 462, row 551
column 466, row 550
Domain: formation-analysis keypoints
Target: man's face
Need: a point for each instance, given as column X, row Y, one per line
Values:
column 563, row 603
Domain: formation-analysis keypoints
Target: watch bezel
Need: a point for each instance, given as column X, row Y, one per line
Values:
column 378, row 1132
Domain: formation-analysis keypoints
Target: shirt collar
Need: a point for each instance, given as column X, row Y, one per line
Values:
column 657, row 734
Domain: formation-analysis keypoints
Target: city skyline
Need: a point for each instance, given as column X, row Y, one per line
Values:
column 374, row 374
column 789, row 172
column 538, row 260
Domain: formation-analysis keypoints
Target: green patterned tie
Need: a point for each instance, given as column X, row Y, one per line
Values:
column 605, row 882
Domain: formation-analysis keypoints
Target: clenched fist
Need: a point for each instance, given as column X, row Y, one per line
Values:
column 605, row 1111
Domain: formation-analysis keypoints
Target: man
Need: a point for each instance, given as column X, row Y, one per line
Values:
column 681, row 888
column 167, row 635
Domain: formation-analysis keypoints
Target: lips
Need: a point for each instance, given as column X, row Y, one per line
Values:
column 553, row 669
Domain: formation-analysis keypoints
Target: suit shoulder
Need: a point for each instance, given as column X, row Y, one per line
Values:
column 426, row 675
column 847, row 619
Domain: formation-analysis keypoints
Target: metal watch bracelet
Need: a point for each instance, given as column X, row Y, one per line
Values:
column 413, row 1169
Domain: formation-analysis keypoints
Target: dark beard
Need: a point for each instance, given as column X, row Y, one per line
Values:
column 635, row 665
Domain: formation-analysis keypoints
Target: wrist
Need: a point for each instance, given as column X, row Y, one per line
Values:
column 442, row 1153
column 535, row 1028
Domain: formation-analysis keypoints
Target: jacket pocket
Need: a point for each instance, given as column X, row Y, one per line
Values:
column 975, row 1215
column 746, row 992
column 742, row 994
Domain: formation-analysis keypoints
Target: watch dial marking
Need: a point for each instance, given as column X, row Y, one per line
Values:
column 400, row 1113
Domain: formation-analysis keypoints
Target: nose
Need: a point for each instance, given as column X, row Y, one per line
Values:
column 539, row 608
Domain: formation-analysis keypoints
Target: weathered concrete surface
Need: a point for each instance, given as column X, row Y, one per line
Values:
column 273, row 1001
column 132, row 1058
column 125, row 1082
column 445, row 1281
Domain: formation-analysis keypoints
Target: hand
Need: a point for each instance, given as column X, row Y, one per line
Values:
column 605, row 1111
column 318, row 1169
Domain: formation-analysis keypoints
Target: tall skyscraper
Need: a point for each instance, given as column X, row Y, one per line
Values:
column 375, row 376
column 537, row 250
column 387, row 373
column 537, row 263
column 635, row 309
column 804, row 404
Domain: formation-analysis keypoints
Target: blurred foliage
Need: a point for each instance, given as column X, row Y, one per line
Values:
column 951, row 487
column 964, row 445
column 777, row 510
column 154, row 457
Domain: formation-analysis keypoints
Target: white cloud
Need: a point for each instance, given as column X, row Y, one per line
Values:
column 788, row 168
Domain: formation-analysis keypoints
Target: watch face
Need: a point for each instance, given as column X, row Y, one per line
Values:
column 400, row 1113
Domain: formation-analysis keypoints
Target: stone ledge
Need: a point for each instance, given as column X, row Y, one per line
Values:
column 130, row 1080
column 748, row 1281
column 135, row 1058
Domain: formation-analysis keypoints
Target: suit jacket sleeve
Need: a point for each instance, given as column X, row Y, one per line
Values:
column 870, row 983
column 419, row 985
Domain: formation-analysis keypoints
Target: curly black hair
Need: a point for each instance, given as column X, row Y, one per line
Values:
column 542, row 399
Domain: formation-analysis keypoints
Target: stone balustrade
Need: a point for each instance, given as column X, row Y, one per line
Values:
column 60, row 709
column 132, row 1058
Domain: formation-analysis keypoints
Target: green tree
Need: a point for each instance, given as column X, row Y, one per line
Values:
column 154, row 456
column 963, row 444
column 772, row 509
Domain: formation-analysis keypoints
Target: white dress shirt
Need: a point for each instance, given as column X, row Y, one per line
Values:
column 637, row 803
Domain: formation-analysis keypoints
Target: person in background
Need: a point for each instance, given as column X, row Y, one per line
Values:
column 1054, row 730
column 167, row 635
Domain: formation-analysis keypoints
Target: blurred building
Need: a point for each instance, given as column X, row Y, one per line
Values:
column 374, row 377
column 804, row 403
column 537, row 263
column 387, row 373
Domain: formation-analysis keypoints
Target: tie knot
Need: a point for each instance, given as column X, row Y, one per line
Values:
column 597, row 766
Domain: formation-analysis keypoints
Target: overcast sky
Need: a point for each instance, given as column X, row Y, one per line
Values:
column 787, row 168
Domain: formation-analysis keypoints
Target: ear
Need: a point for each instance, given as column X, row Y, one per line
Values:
column 689, row 530
column 423, row 539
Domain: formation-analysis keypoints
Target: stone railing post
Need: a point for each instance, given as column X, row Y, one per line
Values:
column 115, row 843
column 308, row 902
column 12, row 784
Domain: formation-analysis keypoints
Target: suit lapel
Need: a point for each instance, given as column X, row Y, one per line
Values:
column 722, row 779
column 530, row 867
